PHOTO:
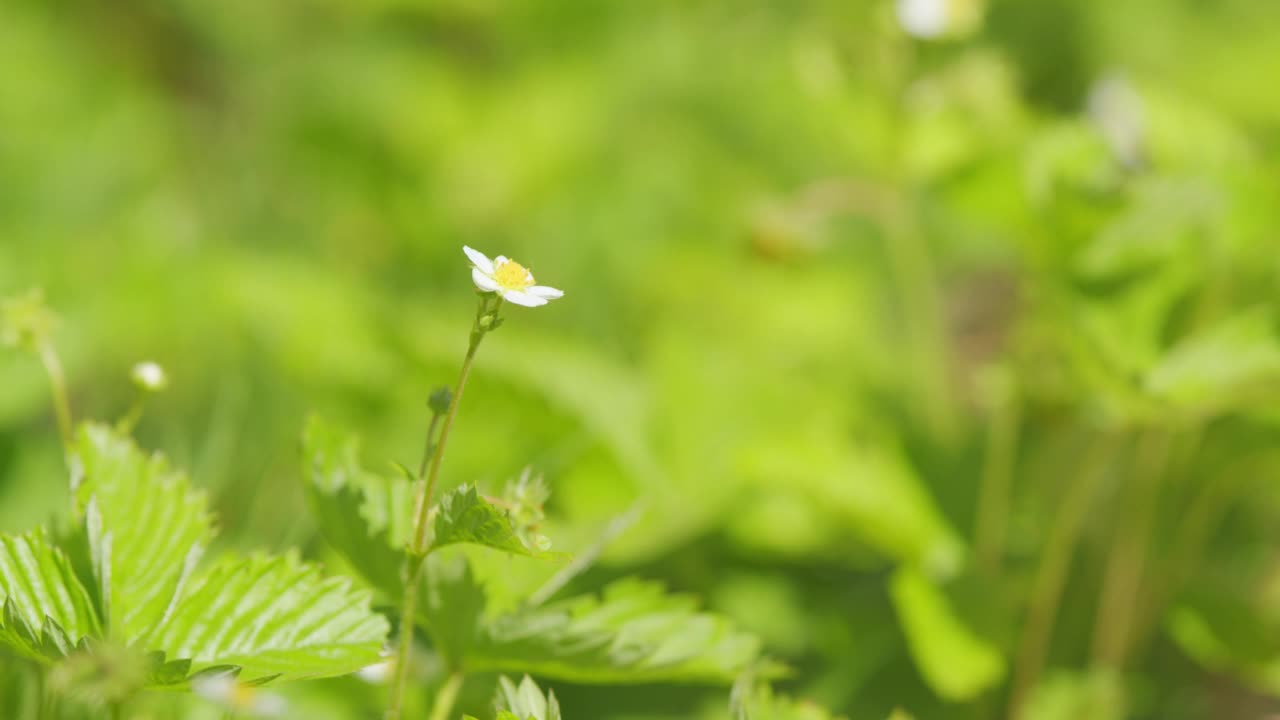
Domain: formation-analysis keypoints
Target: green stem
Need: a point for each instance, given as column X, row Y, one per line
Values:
column 1113, row 629
column 130, row 419
column 416, row 560
column 447, row 696
column 33, row 701
column 1047, row 592
column 48, row 701
column 58, row 383
column 430, row 448
column 997, row 478
column 911, row 263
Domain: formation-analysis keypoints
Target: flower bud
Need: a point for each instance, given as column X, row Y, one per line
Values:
column 440, row 400
column 149, row 377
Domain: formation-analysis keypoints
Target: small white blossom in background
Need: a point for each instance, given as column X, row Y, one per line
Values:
column 25, row 320
column 933, row 19
column 923, row 18
column 1116, row 110
column 237, row 697
column 509, row 279
column 149, row 376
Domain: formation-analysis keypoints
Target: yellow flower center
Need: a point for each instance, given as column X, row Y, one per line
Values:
column 513, row 276
column 242, row 696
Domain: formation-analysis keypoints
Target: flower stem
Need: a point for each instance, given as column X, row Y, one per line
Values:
column 429, row 449
column 58, row 383
column 447, row 696
column 130, row 419
column 485, row 321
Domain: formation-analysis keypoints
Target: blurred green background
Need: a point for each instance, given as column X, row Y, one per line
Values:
column 946, row 362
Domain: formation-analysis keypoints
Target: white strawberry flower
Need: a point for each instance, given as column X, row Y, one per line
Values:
column 509, row 279
column 237, row 697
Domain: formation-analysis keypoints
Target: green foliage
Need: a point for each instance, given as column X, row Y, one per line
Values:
column 1064, row 696
column 455, row 608
column 143, row 529
column 146, row 529
column 463, row 516
column 795, row 239
column 765, row 704
column 525, row 701
column 46, row 612
column 366, row 516
column 1234, row 363
column 634, row 632
column 271, row 617
column 957, row 663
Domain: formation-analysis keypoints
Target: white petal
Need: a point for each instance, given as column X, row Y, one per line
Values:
column 501, row 260
column 269, row 705
column 483, row 281
column 543, row 291
column 479, row 259
column 523, row 298
column 376, row 674
column 218, row 688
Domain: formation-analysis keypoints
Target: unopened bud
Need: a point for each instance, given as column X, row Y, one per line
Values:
column 440, row 400
column 149, row 377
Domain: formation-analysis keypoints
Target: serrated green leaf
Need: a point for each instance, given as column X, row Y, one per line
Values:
column 272, row 616
column 46, row 610
column 526, row 700
column 166, row 672
column 465, row 517
column 144, row 525
column 367, row 517
column 956, row 662
column 634, row 633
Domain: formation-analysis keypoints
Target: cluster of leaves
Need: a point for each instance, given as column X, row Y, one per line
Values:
column 524, row 701
column 632, row 632
column 127, row 573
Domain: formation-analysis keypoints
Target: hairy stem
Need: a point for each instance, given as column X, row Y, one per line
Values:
column 447, row 696
column 58, row 384
column 429, row 449
column 1047, row 592
column 416, row 560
